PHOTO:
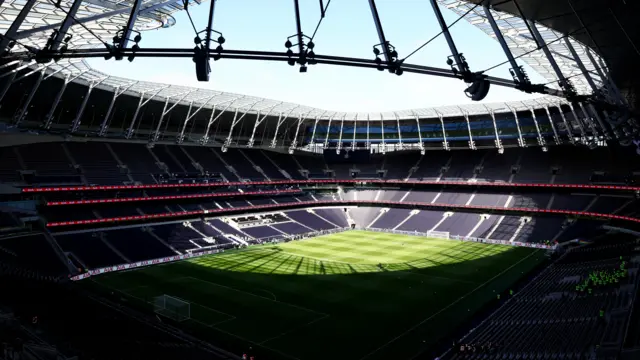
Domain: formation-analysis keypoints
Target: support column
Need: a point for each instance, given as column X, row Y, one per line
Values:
column 353, row 142
column 78, row 119
column 583, row 134
column 105, row 122
column 399, row 132
column 556, row 138
column 259, row 121
column 472, row 144
column 382, row 143
column 180, row 138
column 25, row 107
column 313, row 134
column 367, row 145
column 294, row 143
column 141, row 103
column 10, row 34
column 156, row 134
column 7, row 85
column 233, row 125
column 595, row 114
column 339, row 146
column 590, row 123
column 205, row 138
column 566, row 125
column 521, row 141
column 419, row 135
column 616, row 134
column 326, row 139
column 56, row 101
column 445, row 143
column 498, row 142
column 104, row 126
column 135, row 117
column 541, row 141
column 281, row 119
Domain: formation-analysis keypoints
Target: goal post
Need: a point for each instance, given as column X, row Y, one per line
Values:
column 438, row 234
column 172, row 307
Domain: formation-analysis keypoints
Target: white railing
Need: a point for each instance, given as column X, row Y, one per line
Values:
column 194, row 253
column 468, row 238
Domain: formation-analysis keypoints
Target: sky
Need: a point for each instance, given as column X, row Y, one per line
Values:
column 347, row 30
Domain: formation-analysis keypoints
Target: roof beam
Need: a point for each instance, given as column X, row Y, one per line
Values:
column 281, row 119
column 141, row 103
column 180, row 137
column 27, row 33
column 205, row 138
column 12, row 32
column 259, row 121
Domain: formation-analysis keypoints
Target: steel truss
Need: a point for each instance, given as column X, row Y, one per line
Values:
column 510, row 31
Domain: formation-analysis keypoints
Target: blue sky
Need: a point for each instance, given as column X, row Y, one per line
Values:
column 347, row 30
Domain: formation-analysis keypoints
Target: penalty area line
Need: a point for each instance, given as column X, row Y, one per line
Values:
column 252, row 294
column 447, row 307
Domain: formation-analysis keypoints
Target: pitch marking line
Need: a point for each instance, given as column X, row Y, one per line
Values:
column 295, row 328
column 217, row 323
column 252, row 294
column 125, row 292
column 447, row 307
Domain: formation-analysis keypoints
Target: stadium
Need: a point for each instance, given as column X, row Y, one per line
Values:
column 146, row 217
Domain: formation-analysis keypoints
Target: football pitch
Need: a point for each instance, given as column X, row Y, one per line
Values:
column 350, row 295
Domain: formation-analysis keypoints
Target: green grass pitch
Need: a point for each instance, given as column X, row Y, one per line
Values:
column 328, row 298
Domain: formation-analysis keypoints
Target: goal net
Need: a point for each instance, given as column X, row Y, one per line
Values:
column 438, row 234
column 172, row 307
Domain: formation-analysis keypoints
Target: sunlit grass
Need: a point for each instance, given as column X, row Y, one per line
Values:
column 356, row 290
column 350, row 252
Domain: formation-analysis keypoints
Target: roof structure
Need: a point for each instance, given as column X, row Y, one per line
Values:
column 105, row 18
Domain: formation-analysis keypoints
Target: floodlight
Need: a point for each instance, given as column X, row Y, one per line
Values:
column 137, row 38
column 449, row 61
column 291, row 62
column 197, row 40
column 311, row 45
column 68, row 38
column 109, row 54
column 289, row 53
column 221, row 40
column 478, row 89
column 132, row 56
column 378, row 61
column 376, row 51
column 288, row 44
column 311, row 54
column 399, row 71
column 394, row 54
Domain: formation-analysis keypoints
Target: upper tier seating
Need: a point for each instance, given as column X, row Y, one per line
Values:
column 558, row 165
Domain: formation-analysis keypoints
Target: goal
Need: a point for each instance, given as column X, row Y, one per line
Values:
column 172, row 307
column 438, row 234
